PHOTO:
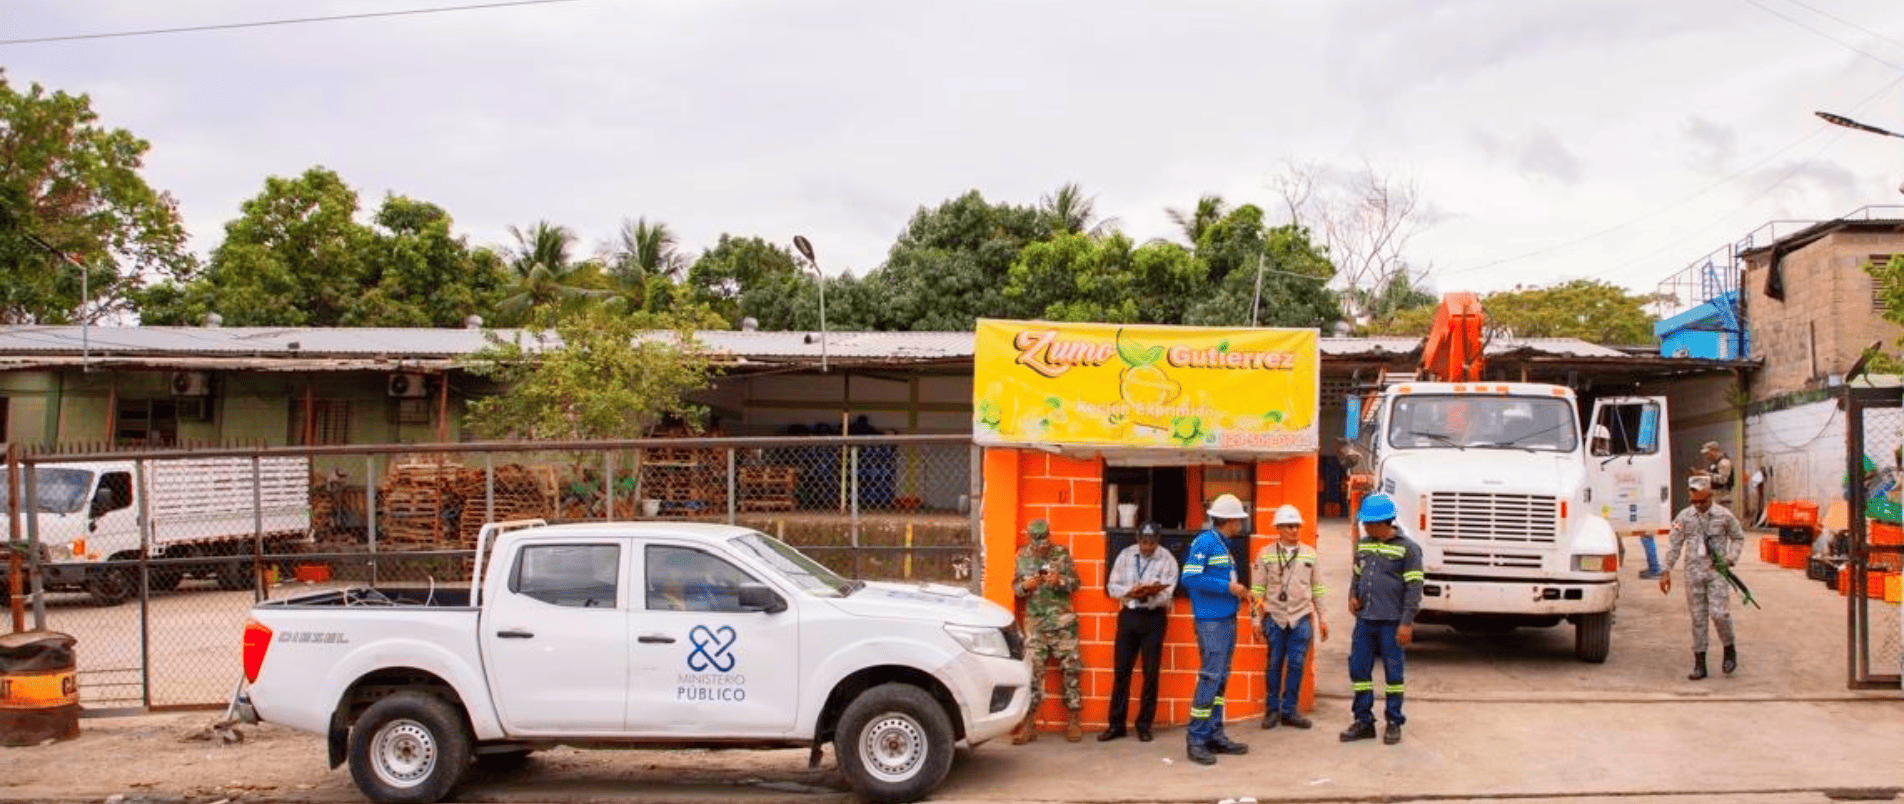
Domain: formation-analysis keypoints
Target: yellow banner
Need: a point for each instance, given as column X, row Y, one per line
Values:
column 1139, row 386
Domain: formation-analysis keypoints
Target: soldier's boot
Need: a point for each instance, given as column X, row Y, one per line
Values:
column 1073, row 730
column 1698, row 666
column 1731, row 660
column 1027, row 730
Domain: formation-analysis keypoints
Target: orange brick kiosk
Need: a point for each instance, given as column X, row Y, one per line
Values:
column 1098, row 428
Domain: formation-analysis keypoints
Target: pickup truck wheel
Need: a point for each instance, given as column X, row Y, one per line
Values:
column 111, row 586
column 1593, row 637
column 895, row 743
column 409, row 748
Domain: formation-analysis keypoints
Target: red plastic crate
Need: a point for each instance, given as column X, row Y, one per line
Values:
column 1794, row 556
column 1779, row 512
column 1768, row 549
column 1886, row 533
column 1805, row 512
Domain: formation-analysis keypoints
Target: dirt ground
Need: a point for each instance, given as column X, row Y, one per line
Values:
column 1632, row 727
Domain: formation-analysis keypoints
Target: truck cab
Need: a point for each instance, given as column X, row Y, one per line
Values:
column 1494, row 481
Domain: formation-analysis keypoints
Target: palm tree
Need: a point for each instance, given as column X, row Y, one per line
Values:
column 544, row 271
column 1210, row 209
column 646, row 255
column 1073, row 213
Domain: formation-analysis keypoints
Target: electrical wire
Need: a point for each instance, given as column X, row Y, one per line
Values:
column 288, row 21
column 1845, row 22
column 1847, row 45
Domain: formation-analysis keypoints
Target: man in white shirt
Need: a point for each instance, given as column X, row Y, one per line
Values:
column 1143, row 578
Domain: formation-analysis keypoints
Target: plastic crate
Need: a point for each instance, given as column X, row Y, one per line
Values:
column 1874, row 584
column 1885, row 533
column 1794, row 556
column 1819, row 569
column 1805, row 513
column 1893, row 588
column 1778, row 512
column 1768, row 549
column 1797, row 534
column 1882, row 510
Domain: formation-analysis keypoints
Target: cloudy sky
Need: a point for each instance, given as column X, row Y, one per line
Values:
column 1549, row 139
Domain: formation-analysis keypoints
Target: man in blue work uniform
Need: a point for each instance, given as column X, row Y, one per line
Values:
column 1209, row 576
column 1384, row 595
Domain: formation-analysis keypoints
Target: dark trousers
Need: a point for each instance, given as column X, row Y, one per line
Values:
column 1138, row 631
column 1375, row 639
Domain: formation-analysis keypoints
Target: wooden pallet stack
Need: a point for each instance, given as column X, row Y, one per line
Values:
column 767, row 488
column 522, row 492
column 684, row 480
column 415, row 501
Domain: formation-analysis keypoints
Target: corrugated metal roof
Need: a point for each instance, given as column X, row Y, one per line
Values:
column 399, row 345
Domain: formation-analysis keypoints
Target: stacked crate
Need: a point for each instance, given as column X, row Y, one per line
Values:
column 767, row 488
column 416, row 503
column 522, row 492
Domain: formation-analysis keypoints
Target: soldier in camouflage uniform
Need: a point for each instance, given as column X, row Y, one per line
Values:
column 1045, row 577
column 1706, row 531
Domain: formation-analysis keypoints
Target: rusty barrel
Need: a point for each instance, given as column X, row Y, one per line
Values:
column 39, row 688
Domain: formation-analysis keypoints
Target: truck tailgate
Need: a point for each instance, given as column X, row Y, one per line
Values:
column 314, row 653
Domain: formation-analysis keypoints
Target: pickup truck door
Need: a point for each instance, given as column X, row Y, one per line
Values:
column 1629, row 465
column 701, row 664
column 554, row 632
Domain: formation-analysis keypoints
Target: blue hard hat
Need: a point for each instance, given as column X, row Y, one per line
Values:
column 1376, row 508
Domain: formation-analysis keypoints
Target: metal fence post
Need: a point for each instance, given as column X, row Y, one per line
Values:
column 733, row 487
column 974, row 501
column 853, row 484
column 608, row 482
column 145, row 583
column 489, row 487
column 370, row 513
column 38, row 591
column 258, row 588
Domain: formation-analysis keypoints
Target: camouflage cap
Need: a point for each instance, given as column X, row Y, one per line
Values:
column 1038, row 529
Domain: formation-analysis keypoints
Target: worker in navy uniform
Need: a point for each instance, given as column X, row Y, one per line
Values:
column 1384, row 595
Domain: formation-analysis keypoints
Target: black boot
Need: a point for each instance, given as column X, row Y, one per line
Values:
column 1698, row 666
column 1731, row 660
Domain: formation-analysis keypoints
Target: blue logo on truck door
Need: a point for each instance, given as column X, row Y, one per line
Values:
column 712, row 660
column 712, row 649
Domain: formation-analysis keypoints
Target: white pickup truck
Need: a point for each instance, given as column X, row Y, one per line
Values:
column 617, row 634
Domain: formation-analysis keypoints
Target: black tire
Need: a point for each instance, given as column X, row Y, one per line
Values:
column 409, row 748
column 894, row 743
column 111, row 586
column 1593, row 637
column 166, row 578
column 501, row 761
column 234, row 573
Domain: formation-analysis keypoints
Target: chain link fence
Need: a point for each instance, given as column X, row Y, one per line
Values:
column 153, row 558
column 1874, row 432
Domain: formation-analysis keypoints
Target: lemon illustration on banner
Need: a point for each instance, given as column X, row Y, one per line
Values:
column 1143, row 382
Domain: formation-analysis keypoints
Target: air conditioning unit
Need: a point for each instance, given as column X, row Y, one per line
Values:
column 408, row 386
column 191, row 383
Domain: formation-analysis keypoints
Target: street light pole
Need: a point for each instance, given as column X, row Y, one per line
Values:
column 1841, row 120
column 806, row 250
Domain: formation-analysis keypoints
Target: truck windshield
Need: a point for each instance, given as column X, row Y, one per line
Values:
column 1544, row 424
column 60, row 491
column 791, row 564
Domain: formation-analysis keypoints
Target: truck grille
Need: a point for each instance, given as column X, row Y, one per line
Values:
column 1485, row 559
column 1499, row 518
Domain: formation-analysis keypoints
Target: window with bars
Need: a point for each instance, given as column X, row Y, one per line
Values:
column 146, row 423
column 330, row 423
column 1879, row 286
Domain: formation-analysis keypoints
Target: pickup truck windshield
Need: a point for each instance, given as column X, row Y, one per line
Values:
column 803, row 571
column 1472, row 421
column 60, row 491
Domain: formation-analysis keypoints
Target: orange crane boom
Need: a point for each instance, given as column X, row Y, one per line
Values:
column 1452, row 352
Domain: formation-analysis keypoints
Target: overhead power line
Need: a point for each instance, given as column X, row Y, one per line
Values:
column 290, row 21
column 1845, row 22
column 1847, row 45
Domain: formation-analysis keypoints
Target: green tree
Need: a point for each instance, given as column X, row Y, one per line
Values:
column 544, row 274
column 592, row 372
column 1198, row 219
column 951, row 264
column 1403, row 306
column 295, row 257
column 742, row 276
column 298, row 256
column 1588, row 309
column 1074, row 277
column 75, row 186
column 1073, row 212
column 1240, row 253
column 1889, row 278
column 646, row 264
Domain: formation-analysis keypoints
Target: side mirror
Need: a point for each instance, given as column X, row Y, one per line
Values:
column 757, row 597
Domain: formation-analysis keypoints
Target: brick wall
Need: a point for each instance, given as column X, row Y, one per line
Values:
column 1826, row 318
column 1022, row 485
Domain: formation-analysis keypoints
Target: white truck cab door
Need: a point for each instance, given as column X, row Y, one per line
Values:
column 112, row 519
column 1630, row 465
column 701, row 663
column 554, row 631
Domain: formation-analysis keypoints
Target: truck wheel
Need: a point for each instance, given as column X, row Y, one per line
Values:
column 1593, row 637
column 895, row 743
column 409, row 748
column 235, row 574
column 111, row 586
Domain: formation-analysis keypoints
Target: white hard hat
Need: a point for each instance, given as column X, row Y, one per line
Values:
column 1288, row 515
column 1600, row 431
column 1228, row 506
